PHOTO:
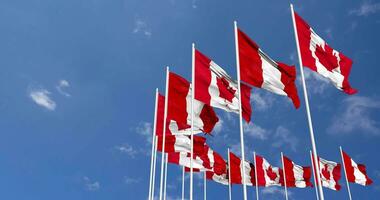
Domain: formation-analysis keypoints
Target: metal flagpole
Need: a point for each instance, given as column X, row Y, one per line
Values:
column 183, row 183
column 240, row 109
column 307, row 106
column 283, row 167
column 257, row 183
column 315, row 180
column 163, row 132
column 345, row 173
column 192, row 117
column 204, row 186
column 153, row 146
column 166, row 175
column 154, row 166
column 229, row 176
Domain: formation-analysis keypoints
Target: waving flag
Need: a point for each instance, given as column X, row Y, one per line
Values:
column 296, row 176
column 184, row 159
column 356, row 173
column 320, row 57
column 236, row 166
column 214, row 87
column 222, row 178
column 182, row 143
column 179, row 109
column 267, row 175
column 259, row 70
column 330, row 174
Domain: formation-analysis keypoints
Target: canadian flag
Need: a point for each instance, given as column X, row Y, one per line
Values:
column 213, row 161
column 267, row 175
column 259, row 70
column 330, row 173
column 179, row 109
column 295, row 175
column 236, row 171
column 222, row 178
column 356, row 173
column 213, row 86
column 320, row 57
column 184, row 159
column 182, row 143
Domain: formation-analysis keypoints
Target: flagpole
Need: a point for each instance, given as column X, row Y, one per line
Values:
column 166, row 175
column 229, row 175
column 154, row 166
column 204, row 186
column 153, row 145
column 307, row 106
column 164, row 131
column 257, row 183
column 183, row 183
column 345, row 172
column 283, row 167
column 192, row 117
column 315, row 180
column 240, row 109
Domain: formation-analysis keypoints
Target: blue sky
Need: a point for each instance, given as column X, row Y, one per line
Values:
column 78, row 78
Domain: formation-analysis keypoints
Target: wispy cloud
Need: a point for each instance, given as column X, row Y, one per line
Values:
column 194, row 4
column 42, row 98
column 283, row 137
column 256, row 131
column 262, row 100
column 127, row 149
column 130, row 180
column 142, row 28
column 62, row 85
column 316, row 84
column 218, row 127
column 91, row 185
column 145, row 129
column 366, row 8
column 355, row 115
column 275, row 191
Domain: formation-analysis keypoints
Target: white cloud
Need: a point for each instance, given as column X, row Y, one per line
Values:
column 366, row 8
column 91, row 185
column 283, row 137
column 41, row 97
column 218, row 127
column 62, row 84
column 315, row 83
column 356, row 116
column 127, row 149
column 275, row 191
column 194, row 4
column 142, row 27
column 129, row 180
column 145, row 129
column 262, row 101
column 255, row 131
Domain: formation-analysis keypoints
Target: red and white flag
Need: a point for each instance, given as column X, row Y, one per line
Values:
column 259, row 70
column 236, row 171
column 213, row 161
column 182, row 143
column 330, row 173
column 320, row 57
column 213, row 86
column 184, row 159
column 179, row 109
column 296, row 176
column 221, row 178
column 267, row 175
column 356, row 173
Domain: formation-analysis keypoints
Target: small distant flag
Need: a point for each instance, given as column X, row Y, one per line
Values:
column 330, row 174
column 296, row 176
column 356, row 173
column 236, row 164
column 267, row 175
